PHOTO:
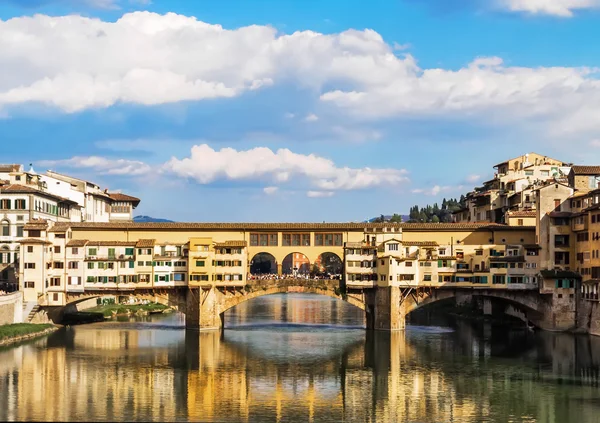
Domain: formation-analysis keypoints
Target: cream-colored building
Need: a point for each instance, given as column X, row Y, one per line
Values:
column 27, row 197
column 512, row 189
column 64, row 258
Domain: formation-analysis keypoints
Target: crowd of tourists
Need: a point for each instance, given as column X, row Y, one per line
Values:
column 306, row 276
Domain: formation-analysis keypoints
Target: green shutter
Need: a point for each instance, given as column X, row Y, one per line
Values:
column 155, row 278
column 129, row 251
column 484, row 279
column 439, row 263
column 131, row 264
column 167, row 278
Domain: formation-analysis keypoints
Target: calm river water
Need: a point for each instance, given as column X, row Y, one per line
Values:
column 300, row 358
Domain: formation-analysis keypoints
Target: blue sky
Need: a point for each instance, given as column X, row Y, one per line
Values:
column 295, row 110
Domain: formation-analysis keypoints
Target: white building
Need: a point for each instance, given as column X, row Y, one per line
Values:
column 27, row 197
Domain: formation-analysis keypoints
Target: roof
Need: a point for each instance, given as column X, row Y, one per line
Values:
column 531, row 153
column 560, row 274
column 60, row 227
column 112, row 243
column 215, row 226
column 420, row 243
column 36, row 225
column 35, row 241
column 117, row 196
column 77, row 243
column 357, row 245
column 585, row 170
column 532, row 247
column 7, row 168
column 591, row 281
column 144, row 243
column 560, row 214
column 523, row 213
column 230, row 244
column 26, row 189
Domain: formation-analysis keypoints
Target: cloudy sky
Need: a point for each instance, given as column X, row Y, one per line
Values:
column 288, row 110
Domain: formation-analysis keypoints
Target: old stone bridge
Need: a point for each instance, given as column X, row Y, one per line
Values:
column 386, row 308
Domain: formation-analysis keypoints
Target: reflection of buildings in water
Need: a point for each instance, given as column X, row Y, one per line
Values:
column 95, row 380
column 403, row 376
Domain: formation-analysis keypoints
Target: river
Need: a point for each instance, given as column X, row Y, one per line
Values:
column 300, row 358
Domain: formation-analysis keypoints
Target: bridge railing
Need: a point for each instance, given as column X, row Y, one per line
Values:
column 257, row 284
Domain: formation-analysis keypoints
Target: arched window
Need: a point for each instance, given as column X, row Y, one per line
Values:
column 5, row 228
column 4, row 254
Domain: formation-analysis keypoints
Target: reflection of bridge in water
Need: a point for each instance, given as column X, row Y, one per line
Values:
column 234, row 375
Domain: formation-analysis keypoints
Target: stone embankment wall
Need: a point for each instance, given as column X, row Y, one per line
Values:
column 11, row 308
column 588, row 317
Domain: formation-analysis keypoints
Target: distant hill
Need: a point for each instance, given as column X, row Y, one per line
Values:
column 146, row 219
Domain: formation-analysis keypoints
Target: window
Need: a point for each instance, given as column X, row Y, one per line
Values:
column 393, row 246
column 328, row 239
column 557, row 204
column 90, row 265
column 30, row 249
column 34, row 233
column 54, row 281
column 427, row 277
column 29, row 284
column 73, row 265
column 498, row 279
column 442, row 251
column 519, row 222
column 29, row 265
column 59, row 265
column 129, row 251
column 111, row 252
column 20, row 204
column 179, row 277
column 5, row 204
column 93, row 252
column 200, row 263
column 479, row 252
column 5, row 228
column 57, row 249
column 408, row 264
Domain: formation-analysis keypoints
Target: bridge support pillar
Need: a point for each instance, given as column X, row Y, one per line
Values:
column 487, row 306
column 202, row 309
column 388, row 310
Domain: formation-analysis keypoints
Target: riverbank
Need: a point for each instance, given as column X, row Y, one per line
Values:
column 109, row 311
column 22, row 331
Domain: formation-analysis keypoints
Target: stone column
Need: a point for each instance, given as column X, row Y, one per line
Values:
column 202, row 309
column 487, row 306
column 388, row 313
column 279, row 269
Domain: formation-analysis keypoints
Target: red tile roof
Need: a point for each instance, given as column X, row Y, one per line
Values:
column 585, row 170
column 7, row 168
column 523, row 213
column 145, row 243
column 117, row 196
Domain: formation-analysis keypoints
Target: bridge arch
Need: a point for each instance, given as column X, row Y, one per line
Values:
column 327, row 288
column 263, row 263
column 524, row 303
column 295, row 264
column 328, row 263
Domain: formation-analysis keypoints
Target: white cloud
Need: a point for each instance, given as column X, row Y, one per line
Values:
column 437, row 189
column 76, row 63
column 289, row 115
column 206, row 165
column 270, row 190
column 101, row 165
column 595, row 143
column 473, row 178
column 561, row 8
column 311, row 118
column 319, row 194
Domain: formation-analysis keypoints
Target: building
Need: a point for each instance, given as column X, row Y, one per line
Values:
column 512, row 189
column 29, row 198
column 59, row 259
